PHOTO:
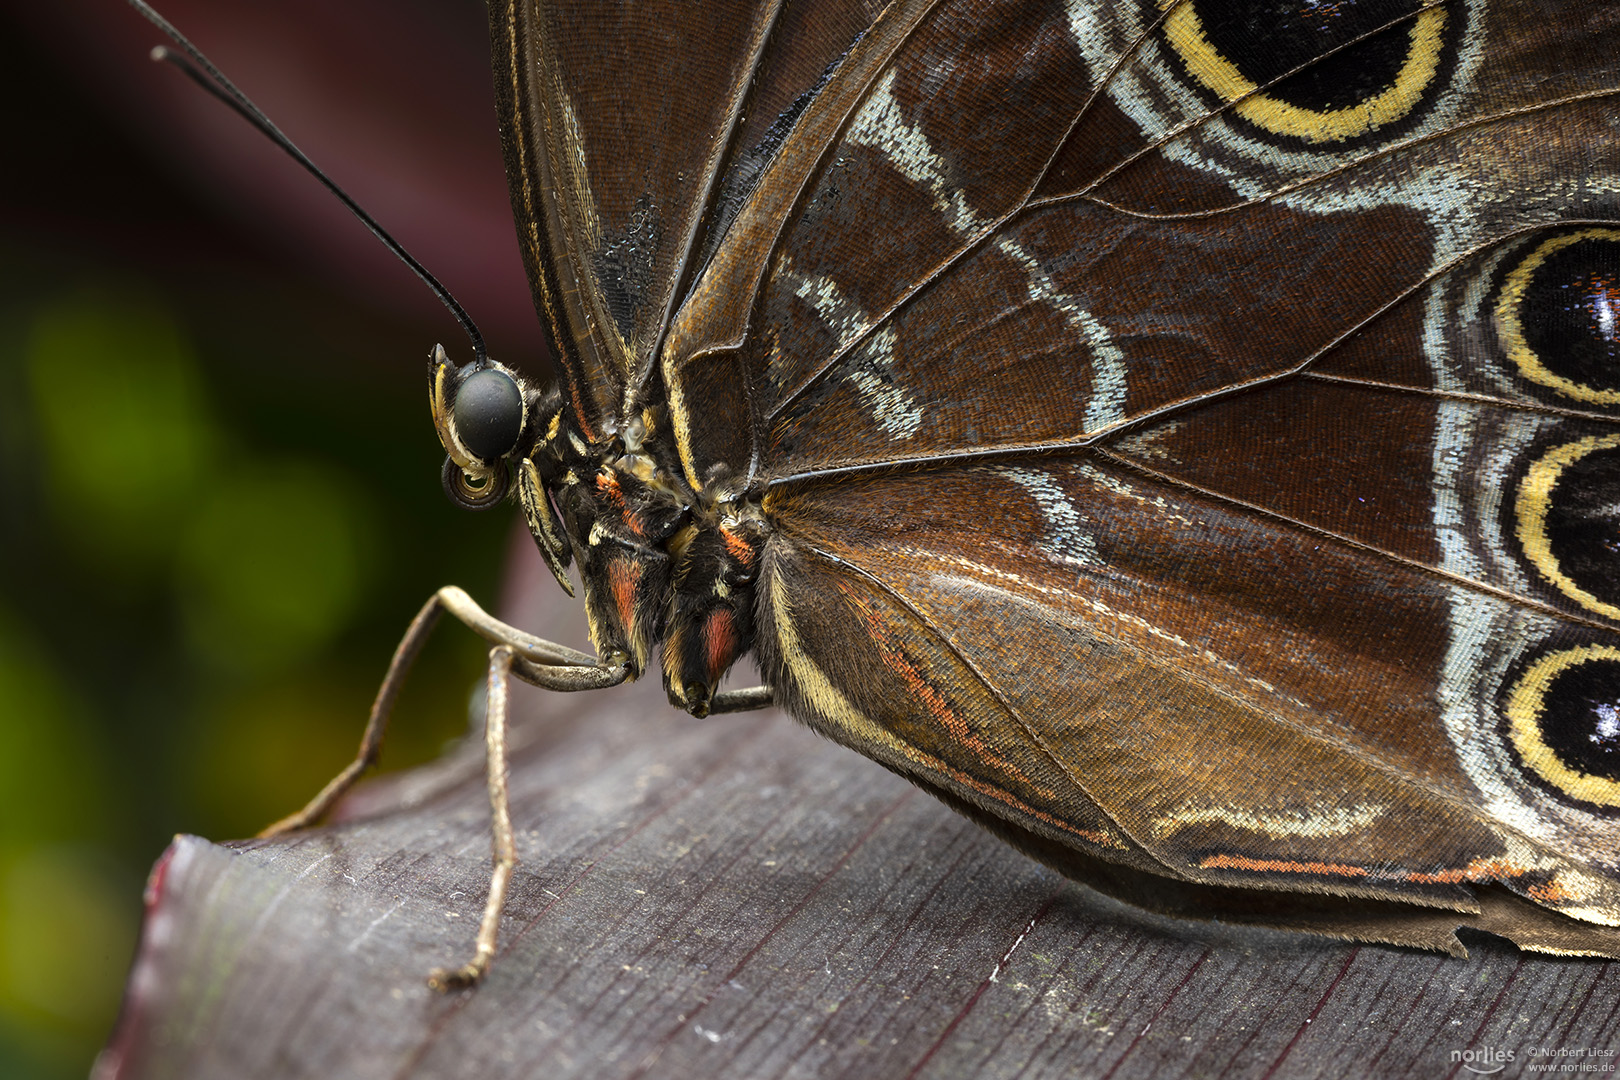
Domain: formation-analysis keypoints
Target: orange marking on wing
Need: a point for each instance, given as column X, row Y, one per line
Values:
column 1478, row 870
column 720, row 635
column 897, row 661
column 1101, row 839
column 1284, row 866
column 739, row 548
column 999, row 794
column 623, row 576
column 1550, row 893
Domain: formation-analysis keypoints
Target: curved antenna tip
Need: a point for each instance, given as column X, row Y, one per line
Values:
column 200, row 70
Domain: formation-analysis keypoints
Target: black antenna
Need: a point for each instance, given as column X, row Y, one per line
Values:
column 211, row 79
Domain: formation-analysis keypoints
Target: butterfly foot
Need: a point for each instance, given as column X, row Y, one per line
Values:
column 446, row 980
column 697, row 700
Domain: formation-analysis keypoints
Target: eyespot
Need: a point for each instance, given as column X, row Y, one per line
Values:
column 473, row 493
column 1359, row 66
column 1558, row 315
column 1569, row 521
column 488, row 413
column 1563, row 719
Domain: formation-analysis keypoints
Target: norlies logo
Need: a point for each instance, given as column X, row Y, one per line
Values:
column 1483, row 1060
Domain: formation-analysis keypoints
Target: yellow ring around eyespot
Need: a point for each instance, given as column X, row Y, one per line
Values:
column 1510, row 330
column 1535, row 502
column 1185, row 31
column 1524, row 710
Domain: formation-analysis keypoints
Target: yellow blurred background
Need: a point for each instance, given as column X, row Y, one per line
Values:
column 219, row 493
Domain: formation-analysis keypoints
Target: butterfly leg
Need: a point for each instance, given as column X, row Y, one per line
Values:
column 504, row 662
column 515, row 653
column 500, row 827
column 536, row 652
column 746, row 700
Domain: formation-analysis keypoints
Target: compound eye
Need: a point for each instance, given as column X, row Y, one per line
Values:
column 488, row 414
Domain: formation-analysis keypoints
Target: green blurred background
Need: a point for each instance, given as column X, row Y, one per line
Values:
column 219, row 494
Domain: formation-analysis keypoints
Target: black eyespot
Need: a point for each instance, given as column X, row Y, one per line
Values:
column 1581, row 718
column 1558, row 315
column 1569, row 523
column 1316, row 74
column 1564, row 722
column 488, row 413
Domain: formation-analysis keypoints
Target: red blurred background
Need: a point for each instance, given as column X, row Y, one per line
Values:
column 393, row 99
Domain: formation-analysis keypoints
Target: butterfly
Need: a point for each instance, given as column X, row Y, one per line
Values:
column 1183, row 436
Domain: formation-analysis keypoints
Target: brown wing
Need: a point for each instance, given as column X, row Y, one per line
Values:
column 1192, row 441
column 631, row 131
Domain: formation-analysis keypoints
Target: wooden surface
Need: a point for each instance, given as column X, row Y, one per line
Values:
column 735, row 897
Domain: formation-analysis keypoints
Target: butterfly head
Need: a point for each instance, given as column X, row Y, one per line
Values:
column 482, row 416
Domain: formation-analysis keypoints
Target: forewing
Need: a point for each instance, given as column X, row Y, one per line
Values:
column 632, row 131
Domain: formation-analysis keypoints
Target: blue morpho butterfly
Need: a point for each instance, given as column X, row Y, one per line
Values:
column 1181, row 435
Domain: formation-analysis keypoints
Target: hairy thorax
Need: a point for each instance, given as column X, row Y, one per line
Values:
column 665, row 566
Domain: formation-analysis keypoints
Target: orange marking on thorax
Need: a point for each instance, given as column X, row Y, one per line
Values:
column 1285, row 866
column 739, row 548
column 607, row 484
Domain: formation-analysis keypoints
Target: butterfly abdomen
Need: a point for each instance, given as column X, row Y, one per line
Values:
column 711, row 616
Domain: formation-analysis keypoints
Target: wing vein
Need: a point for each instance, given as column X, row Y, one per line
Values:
column 1026, row 202
column 1173, row 408
column 1406, row 562
column 989, row 688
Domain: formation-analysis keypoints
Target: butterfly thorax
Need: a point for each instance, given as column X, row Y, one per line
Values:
column 664, row 567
